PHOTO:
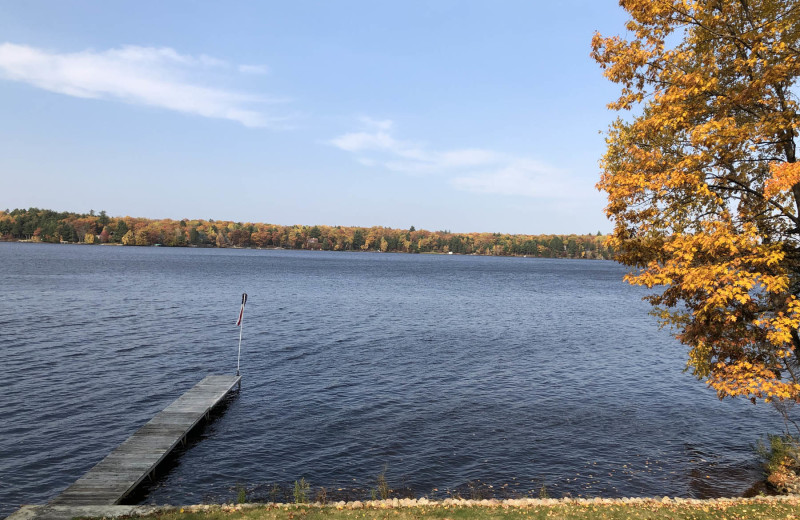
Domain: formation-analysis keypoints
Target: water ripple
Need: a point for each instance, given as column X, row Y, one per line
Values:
column 460, row 374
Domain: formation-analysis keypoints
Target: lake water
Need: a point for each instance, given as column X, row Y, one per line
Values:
column 450, row 374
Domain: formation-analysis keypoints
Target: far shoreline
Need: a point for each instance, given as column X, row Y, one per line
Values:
column 278, row 248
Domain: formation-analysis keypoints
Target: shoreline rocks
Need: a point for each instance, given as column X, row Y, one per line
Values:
column 393, row 503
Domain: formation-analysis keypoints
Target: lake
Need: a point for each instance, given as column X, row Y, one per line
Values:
column 476, row 376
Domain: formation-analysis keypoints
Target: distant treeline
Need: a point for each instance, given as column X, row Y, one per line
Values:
column 41, row 225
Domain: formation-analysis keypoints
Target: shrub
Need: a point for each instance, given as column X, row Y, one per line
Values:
column 301, row 488
column 781, row 454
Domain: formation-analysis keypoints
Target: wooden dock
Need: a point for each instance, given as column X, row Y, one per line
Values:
column 117, row 475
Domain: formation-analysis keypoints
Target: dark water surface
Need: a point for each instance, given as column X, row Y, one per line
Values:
column 451, row 373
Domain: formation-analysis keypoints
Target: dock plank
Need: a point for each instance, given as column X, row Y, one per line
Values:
column 119, row 473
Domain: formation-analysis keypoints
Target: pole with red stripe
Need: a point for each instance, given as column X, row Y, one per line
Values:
column 239, row 324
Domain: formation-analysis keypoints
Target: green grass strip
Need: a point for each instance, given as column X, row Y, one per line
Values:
column 731, row 509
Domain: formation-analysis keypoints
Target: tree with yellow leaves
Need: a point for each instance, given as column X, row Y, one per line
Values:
column 703, row 184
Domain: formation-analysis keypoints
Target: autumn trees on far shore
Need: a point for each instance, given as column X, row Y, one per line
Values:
column 43, row 225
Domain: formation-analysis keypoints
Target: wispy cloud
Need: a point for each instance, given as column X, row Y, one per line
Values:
column 517, row 177
column 153, row 76
column 254, row 69
column 469, row 169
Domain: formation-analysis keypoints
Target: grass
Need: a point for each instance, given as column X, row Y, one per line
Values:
column 543, row 492
column 382, row 490
column 301, row 491
column 750, row 509
column 241, row 494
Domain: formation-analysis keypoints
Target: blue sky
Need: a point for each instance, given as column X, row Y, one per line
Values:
column 458, row 115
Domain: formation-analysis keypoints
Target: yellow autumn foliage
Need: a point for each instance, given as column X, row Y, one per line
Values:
column 703, row 184
column 784, row 177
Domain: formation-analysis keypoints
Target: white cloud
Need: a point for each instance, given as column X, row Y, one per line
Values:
column 469, row 169
column 363, row 141
column 254, row 69
column 468, row 158
column 158, row 77
column 519, row 177
column 385, row 124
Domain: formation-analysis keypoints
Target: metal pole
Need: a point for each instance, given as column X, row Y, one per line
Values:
column 239, row 355
column 240, row 323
